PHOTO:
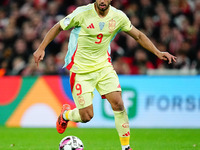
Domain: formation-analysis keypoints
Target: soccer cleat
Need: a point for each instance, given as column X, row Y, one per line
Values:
column 61, row 123
column 128, row 148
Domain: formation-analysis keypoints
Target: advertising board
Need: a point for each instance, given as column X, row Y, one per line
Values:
column 150, row 102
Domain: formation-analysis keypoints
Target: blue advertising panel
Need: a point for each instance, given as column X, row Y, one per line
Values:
column 154, row 102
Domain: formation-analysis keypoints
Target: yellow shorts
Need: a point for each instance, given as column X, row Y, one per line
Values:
column 83, row 85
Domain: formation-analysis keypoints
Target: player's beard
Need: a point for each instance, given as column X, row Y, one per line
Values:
column 104, row 8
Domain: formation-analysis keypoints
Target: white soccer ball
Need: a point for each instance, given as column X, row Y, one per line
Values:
column 71, row 143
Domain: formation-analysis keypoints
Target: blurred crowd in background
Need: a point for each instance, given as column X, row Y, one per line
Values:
column 172, row 25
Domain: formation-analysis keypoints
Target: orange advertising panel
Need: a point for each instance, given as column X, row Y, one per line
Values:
column 33, row 101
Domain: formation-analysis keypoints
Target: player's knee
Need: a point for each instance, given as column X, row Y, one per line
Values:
column 86, row 114
column 118, row 105
column 86, row 117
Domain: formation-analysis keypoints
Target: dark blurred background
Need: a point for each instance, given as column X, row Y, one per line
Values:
column 172, row 25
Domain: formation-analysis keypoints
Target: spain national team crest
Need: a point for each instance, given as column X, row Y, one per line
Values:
column 81, row 100
column 112, row 24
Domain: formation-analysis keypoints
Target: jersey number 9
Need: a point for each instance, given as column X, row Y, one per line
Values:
column 99, row 37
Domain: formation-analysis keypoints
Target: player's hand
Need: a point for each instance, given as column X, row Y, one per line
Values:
column 38, row 55
column 167, row 57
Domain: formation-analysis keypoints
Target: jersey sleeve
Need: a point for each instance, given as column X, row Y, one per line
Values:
column 72, row 20
column 126, row 24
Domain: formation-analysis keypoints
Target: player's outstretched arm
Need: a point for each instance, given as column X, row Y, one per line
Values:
column 51, row 34
column 145, row 42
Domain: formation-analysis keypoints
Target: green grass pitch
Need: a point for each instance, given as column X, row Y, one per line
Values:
column 99, row 139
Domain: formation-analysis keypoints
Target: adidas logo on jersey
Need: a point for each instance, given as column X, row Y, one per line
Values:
column 91, row 26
